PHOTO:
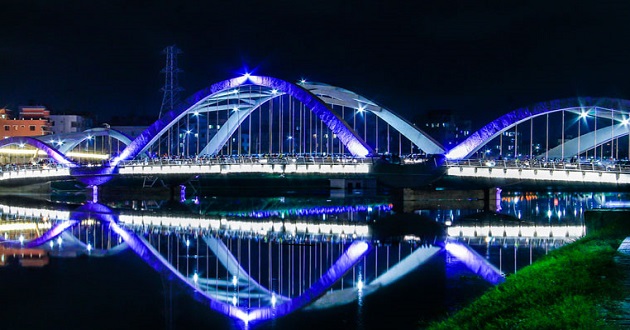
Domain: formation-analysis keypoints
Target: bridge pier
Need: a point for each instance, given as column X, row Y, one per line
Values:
column 487, row 199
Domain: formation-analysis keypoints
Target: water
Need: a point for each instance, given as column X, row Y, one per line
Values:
column 91, row 280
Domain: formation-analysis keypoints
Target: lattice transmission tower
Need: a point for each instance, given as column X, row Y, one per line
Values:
column 171, row 87
column 171, row 91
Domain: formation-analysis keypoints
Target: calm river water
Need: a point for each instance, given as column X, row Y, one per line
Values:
column 253, row 252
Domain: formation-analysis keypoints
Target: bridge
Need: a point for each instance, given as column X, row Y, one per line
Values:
column 254, row 269
column 257, row 124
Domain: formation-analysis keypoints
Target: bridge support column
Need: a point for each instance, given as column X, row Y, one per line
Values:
column 492, row 199
column 94, row 194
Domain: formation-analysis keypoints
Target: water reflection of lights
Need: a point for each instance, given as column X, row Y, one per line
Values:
column 24, row 226
column 567, row 232
column 322, row 210
column 255, row 227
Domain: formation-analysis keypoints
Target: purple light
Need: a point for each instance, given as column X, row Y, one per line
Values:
column 318, row 210
column 50, row 151
column 478, row 139
column 55, row 231
column 476, row 263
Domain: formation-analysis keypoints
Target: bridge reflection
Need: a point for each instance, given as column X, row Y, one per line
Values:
column 250, row 270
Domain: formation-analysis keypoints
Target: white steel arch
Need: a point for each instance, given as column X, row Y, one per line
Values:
column 342, row 97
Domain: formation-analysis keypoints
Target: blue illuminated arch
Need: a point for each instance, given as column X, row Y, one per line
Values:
column 72, row 140
column 480, row 138
column 355, row 145
column 50, row 151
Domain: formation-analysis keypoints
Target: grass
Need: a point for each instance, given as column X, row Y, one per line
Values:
column 574, row 287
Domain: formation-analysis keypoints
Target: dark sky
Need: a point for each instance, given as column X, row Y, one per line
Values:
column 479, row 60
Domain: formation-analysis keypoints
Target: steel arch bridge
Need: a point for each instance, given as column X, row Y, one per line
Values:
column 610, row 114
column 240, row 97
column 257, row 116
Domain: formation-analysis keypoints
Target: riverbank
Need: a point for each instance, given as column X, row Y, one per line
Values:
column 578, row 286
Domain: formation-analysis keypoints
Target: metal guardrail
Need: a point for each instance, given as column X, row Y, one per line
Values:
column 249, row 160
column 540, row 164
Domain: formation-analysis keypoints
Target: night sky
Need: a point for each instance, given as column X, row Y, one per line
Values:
column 478, row 60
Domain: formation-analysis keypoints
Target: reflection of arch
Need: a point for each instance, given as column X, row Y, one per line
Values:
column 71, row 140
column 95, row 211
column 353, row 254
column 227, row 259
column 342, row 97
column 479, row 139
column 50, row 151
column 354, row 144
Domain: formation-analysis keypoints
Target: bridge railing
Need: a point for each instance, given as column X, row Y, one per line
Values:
column 593, row 166
column 285, row 160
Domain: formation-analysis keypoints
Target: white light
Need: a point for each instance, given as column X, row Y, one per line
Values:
column 21, row 239
column 195, row 278
column 274, row 91
column 625, row 122
column 234, row 301
column 187, row 243
column 52, row 244
column 235, row 109
column 59, row 240
column 273, row 299
column 188, row 131
column 361, row 108
column 234, row 280
column 360, row 285
column 583, row 114
column 549, row 213
column 302, row 81
column 196, row 113
column 246, row 75
column 89, row 247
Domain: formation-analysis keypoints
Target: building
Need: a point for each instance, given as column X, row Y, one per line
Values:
column 31, row 121
column 444, row 126
column 61, row 124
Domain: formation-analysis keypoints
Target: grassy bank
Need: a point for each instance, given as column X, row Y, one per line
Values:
column 574, row 287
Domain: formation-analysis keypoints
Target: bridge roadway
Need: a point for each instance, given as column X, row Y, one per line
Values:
column 478, row 170
column 537, row 172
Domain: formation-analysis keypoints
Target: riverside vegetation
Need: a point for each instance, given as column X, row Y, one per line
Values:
column 578, row 286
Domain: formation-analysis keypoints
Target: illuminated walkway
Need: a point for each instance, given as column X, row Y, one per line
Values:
column 545, row 172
